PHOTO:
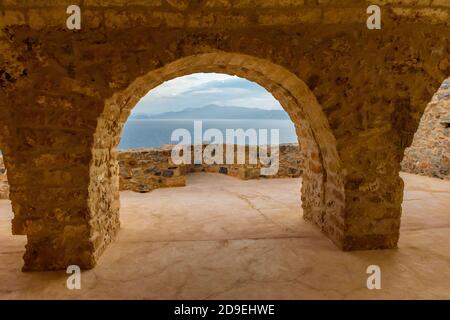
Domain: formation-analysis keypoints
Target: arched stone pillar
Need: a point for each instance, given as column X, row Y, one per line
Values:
column 322, row 188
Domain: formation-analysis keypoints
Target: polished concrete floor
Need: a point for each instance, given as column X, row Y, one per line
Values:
column 223, row 238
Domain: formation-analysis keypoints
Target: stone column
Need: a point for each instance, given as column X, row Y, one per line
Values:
column 373, row 198
column 48, row 160
column 49, row 198
column 371, row 156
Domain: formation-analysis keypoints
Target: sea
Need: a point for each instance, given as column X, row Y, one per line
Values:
column 145, row 133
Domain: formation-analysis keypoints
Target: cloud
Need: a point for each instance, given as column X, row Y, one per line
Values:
column 184, row 84
column 200, row 89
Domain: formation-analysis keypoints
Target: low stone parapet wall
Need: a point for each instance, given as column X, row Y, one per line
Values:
column 143, row 170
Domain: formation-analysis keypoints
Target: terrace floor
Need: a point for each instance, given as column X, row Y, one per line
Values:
column 224, row 238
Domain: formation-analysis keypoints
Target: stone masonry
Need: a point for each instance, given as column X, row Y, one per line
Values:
column 143, row 170
column 355, row 95
column 4, row 187
column 429, row 153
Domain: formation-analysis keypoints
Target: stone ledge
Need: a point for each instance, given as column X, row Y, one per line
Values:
column 143, row 170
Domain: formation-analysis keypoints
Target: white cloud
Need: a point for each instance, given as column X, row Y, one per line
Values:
column 263, row 101
column 179, row 85
column 207, row 91
column 200, row 89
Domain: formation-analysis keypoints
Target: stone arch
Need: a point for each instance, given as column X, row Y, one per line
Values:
column 429, row 152
column 322, row 188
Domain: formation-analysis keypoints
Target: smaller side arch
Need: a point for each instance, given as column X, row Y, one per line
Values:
column 429, row 153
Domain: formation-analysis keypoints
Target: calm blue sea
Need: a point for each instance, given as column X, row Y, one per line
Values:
column 141, row 133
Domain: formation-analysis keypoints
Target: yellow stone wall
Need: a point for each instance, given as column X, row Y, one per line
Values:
column 355, row 95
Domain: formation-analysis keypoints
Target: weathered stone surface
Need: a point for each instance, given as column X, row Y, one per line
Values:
column 429, row 153
column 4, row 186
column 143, row 170
column 355, row 96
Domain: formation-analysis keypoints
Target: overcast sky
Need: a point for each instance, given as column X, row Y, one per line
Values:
column 201, row 89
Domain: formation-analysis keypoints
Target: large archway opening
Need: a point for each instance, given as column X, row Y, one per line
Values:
column 244, row 185
column 322, row 186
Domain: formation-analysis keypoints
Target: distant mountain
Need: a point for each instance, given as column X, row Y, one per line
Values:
column 139, row 115
column 219, row 112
